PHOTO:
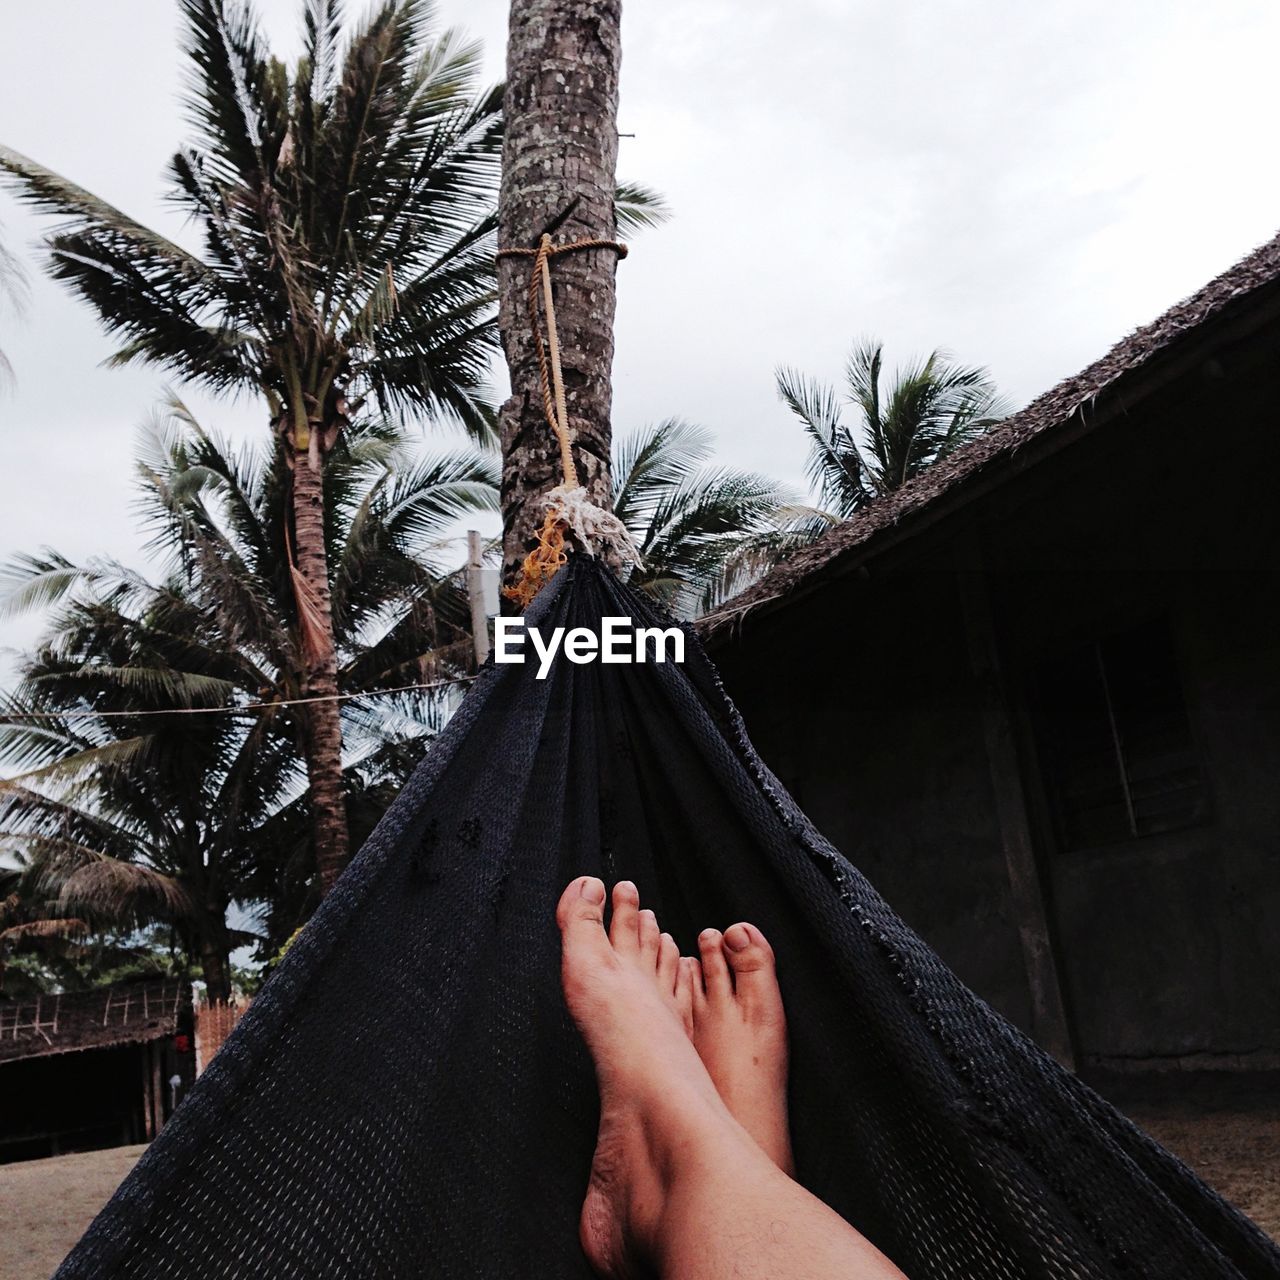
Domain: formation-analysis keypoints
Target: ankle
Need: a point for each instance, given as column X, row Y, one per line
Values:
column 681, row 1136
column 695, row 1170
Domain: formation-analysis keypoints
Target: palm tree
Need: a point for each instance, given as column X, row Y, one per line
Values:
column 928, row 410
column 344, row 206
column 30, row 922
column 210, row 809
column 42, row 949
column 346, row 212
column 703, row 532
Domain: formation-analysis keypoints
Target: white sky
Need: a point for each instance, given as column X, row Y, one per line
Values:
column 1022, row 183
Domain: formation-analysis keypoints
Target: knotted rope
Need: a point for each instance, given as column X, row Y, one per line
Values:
column 568, row 509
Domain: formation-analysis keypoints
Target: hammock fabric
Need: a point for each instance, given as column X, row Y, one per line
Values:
column 408, row 1098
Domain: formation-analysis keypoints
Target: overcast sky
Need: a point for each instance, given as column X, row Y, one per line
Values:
column 1021, row 183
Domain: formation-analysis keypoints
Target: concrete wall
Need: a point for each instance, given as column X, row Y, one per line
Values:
column 862, row 699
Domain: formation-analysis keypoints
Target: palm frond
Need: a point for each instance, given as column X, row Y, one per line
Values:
column 692, row 523
column 649, row 462
column 49, row 192
column 61, row 927
column 930, row 408
column 834, row 465
column 637, row 208
column 122, row 890
column 322, row 49
column 227, row 82
column 73, row 768
column 31, row 582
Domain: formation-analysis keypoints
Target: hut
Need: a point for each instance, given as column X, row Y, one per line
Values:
column 92, row 1069
column 1035, row 695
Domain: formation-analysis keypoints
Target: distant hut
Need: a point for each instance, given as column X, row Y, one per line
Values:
column 92, row 1069
column 1035, row 695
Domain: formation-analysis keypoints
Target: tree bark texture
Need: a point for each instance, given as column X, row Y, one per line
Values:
column 320, row 675
column 559, row 161
column 216, row 969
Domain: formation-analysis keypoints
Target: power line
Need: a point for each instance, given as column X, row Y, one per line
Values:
column 247, row 708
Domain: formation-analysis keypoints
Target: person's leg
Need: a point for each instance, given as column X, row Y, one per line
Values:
column 677, row 1182
column 739, row 1029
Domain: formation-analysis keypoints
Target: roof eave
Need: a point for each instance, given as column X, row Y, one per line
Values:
column 1235, row 318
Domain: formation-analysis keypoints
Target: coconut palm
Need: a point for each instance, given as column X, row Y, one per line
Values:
column 70, row 954
column 345, row 208
column 904, row 423
column 213, row 807
column 702, row 531
column 30, row 921
column 106, row 825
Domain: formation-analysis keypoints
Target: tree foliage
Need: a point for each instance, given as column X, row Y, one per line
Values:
column 344, row 212
column 159, row 811
column 703, row 531
column 903, row 422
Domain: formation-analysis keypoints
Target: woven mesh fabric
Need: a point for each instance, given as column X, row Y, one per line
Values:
column 408, row 1098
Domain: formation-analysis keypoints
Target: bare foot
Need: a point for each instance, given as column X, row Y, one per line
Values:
column 659, row 1109
column 732, row 1009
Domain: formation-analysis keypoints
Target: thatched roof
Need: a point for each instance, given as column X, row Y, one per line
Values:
column 127, row 1013
column 1057, row 417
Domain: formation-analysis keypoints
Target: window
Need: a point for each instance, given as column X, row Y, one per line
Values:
column 1115, row 740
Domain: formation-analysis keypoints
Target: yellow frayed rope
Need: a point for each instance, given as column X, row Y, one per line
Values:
column 567, row 507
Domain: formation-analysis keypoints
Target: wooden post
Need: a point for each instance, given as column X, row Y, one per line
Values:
column 157, row 1085
column 1050, row 1027
column 148, row 1111
column 475, row 594
column 559, row 159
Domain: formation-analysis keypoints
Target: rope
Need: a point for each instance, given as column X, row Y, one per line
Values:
column 550, row 373
column 546, row 559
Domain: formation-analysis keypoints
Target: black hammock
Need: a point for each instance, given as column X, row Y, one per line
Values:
column 408, row 1098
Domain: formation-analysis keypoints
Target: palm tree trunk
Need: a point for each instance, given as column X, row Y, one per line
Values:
column 558, row 174
column 320, row 676
column 215, row 966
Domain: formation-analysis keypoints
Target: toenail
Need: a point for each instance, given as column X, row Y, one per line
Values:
column 591, row 889
column 628, row 888
column 708, row 935
column 737, row 938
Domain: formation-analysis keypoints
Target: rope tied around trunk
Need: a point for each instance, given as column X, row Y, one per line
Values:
column 568, row 509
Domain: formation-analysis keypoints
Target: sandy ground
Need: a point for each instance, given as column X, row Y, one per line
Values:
column 1237, row 1152
column 46, row 1204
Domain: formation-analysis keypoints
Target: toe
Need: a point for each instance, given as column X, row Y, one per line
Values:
column 715, row 970
column 624, row 928
column 650, row 937
column 755, row 980
column 697, row 981
column 688, row 987
column 668, row 963
column 580, row 914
